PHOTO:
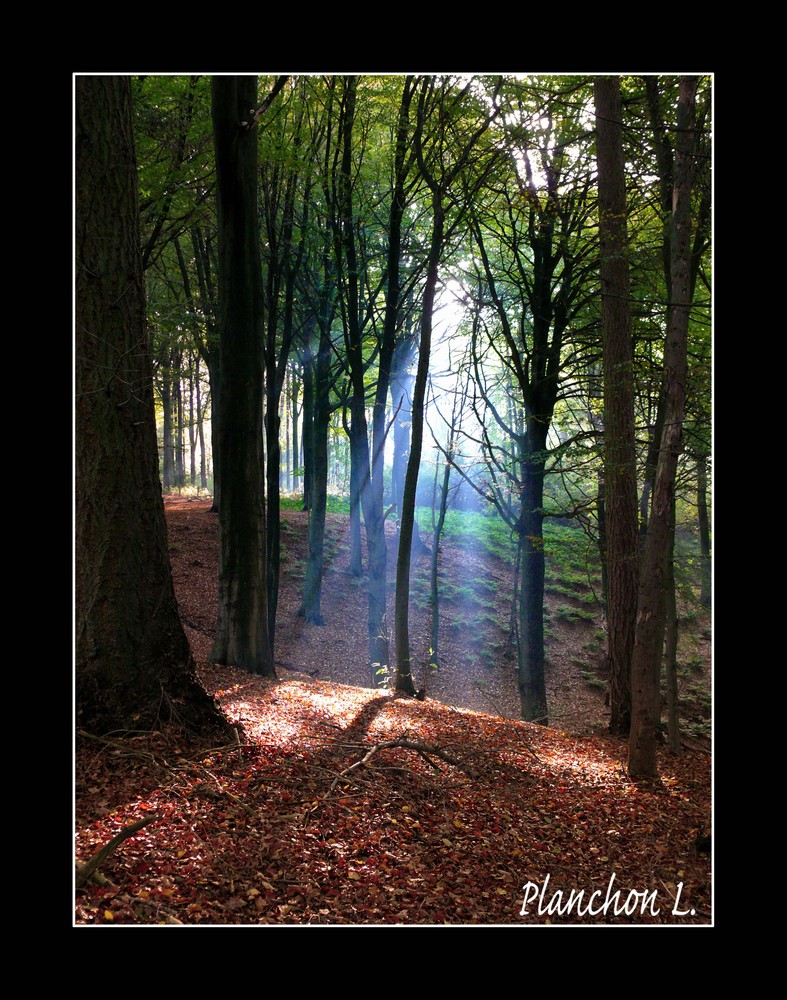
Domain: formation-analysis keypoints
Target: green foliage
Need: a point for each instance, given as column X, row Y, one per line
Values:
column 592, row 681
column 384, row 675
column 174, row 145
column 571, row 555
column 336, row 503
column 486, row 533
column 571, row 614
column 543, row 190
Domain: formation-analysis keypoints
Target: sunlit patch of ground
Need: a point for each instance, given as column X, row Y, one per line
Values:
column 327, row 812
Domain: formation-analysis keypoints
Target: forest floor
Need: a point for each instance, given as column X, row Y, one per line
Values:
column 346, row 805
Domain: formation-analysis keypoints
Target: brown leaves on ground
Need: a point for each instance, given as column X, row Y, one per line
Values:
column 342, row 805
column 284, row 829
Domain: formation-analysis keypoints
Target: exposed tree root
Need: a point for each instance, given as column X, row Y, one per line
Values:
column 86, row 871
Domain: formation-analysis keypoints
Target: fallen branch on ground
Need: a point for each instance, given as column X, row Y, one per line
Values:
column 87, row 870
column 425, row 750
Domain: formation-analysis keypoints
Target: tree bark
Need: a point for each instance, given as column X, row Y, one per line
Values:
column 210, row 347
column 530, row 528
column 375, row 523
column 620, row 483
column 646, row 661
column 316, row 457
column 404, row 674
column 671, row 636
column 307, row 435
column 703, row 519
column 134, row 668
column 242, row 624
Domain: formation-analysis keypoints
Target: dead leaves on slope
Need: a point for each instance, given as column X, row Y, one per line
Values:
column 415, row 813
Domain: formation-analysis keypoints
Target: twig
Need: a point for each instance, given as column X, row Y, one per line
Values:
column 85, row 871
column 421, row 748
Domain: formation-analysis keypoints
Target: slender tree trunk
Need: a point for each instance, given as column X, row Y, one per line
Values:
column 362, row 494
column 275, row 372
column 601, row 514
column 401, row 404
column 434, row 590
column 203, row 461
column 180, row 440
column 215, row 384
column 308, row 425
column 134, row 669
column 357, row 431
column 273, row 511
column 167, row 450
column 671, row 649
column 288, row 461
column 192, row 430
column 402, row 383
column 209, row 348
column 620, row 497
column 242, row 625
column 318, row 476
column 704, row 529
column 404, row 675
column 379, row 652
column 531, row 675
column 296, row 445
column 512, row 640
column 646, row 662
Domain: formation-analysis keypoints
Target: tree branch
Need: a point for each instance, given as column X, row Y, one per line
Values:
column 86, row 871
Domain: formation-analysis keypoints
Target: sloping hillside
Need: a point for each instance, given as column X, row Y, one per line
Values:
column 477, row 664
column 344, row 805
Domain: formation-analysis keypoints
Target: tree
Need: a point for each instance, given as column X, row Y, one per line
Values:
column 620, row 483
column 375, row 520
column 443, row 151
column 368, row 263
column 317, row 416
column 533, row 269
column 651, row 610
column 242, row 624
column 134, row 668
column 283, row 258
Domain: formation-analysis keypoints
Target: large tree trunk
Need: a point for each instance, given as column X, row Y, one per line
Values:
column 134, row 668
column 620, row 506
column 646, row 662
column 242, row 625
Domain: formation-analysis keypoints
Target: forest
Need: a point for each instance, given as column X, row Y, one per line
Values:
column 449, row 331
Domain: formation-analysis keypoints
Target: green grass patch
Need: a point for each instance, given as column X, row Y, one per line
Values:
column 334, row 504
column 570, row 614
column 592, row 681
column 572, row 563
